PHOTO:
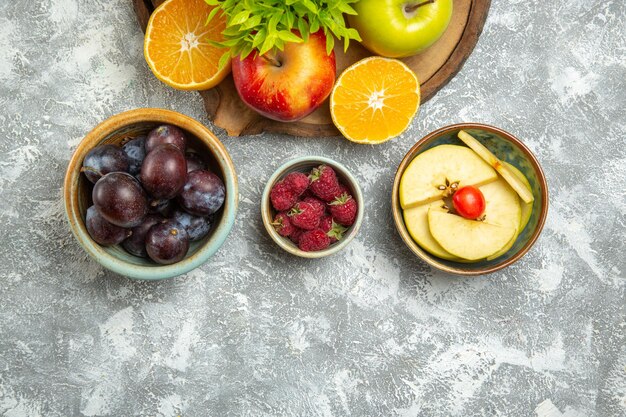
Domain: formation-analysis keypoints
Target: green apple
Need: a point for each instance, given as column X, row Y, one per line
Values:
column 421, row 181
column 416, row 222
column 468, row 239
column 399, row 28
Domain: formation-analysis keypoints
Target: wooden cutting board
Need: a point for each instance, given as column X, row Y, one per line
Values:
column 434, row 68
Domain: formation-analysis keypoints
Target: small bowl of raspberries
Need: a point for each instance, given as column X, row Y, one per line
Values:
column 312, row 207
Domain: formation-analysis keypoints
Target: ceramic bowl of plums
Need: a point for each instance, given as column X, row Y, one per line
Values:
column 151, row 194
column 312, row 207
column 469, row 199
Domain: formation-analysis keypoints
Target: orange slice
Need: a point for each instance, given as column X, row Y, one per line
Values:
column 375, row 100
column 177, row 46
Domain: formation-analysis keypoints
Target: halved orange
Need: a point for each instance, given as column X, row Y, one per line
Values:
column 375, row 100
column 177, row 46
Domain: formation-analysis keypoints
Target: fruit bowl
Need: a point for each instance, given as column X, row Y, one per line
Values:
column 508, row 149
column 305, row 164
column 77, row 191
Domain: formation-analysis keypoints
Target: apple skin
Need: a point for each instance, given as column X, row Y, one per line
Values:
column 388, row 30
column 302, row 80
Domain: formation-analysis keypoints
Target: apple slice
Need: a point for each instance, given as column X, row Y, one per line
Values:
column 505, row 249
column 429, row 170
column 468, row 239
column 503, row 209
column 520, row 188
column 527, row 208
column 416, row 221
column 502, row 206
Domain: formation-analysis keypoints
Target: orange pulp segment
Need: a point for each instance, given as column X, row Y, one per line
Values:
column 375, row 100
column 177, row 48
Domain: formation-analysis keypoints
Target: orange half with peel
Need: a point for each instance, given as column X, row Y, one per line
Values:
column 375, row 100
column 177, row 45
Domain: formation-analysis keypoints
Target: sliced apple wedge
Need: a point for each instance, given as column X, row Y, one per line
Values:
column 504, row 209
column 502, row 206
column 429, row 170
column 416, row 221
column 520, row 188
column 468, row 239
column 527, row 208
column 505, row 249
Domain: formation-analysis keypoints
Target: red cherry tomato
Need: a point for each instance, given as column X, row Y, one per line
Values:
column 469, row 202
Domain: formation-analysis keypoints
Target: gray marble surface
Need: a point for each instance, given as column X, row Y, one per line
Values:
column 370, row 332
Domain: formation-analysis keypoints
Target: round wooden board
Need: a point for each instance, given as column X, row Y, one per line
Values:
column 434, row 68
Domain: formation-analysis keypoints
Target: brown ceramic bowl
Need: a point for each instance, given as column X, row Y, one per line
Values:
column 507, row 148
column 77, row 191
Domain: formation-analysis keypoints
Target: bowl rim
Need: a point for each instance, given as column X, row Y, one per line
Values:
column 282, row 241
column 150, row 115
column 431, row 259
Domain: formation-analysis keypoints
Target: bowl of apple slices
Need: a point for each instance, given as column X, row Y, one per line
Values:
column 469, row 199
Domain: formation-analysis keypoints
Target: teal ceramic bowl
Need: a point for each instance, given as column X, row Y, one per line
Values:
column 305, row 164
column 77, row 192
column 507, row 148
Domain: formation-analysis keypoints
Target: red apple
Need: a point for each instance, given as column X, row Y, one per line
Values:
column 289, row 84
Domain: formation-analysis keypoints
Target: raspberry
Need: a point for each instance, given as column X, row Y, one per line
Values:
column 282, row 197
column 296, row 234
column 297, row 181
column 305, row 216
column 313, row 240
column 333, row 230
column 317, row 203
column 283, row 225
column 285, row 193
column 324, row 182
column 344, row 209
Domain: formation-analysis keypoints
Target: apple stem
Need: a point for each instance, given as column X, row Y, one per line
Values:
column 272, row 60
column 411, row 8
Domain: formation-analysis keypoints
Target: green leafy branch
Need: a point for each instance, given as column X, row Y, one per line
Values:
column 262, row 25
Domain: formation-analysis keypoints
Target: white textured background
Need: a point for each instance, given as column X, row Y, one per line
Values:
column 370, row 332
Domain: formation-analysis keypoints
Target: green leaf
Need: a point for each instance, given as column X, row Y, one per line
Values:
column 288, row 36
column 251, row 23
column 224, row 60
column 263, row 25
column 212, row 14
column 330, row 43
column 310, row 5
column 268, row 44
column 303, row 28
column 259, row 38
column 239, row 18
column 346, row 8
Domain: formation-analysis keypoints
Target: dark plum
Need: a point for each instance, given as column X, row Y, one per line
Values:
column 119, row 198
column 136, row 152
column 194, row 162
column 164, row 172
column 196, row 226
column 165, row 134
column 102, row 231
column 167, row 242
column 202, row 194
column 136, row 243
column 104, row 159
